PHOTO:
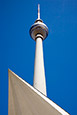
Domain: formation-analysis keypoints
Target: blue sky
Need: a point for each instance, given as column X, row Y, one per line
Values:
column 17, row 49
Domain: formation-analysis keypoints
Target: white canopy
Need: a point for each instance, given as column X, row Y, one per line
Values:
column 26, row 100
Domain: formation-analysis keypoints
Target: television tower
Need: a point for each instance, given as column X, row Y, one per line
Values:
column 38, row 32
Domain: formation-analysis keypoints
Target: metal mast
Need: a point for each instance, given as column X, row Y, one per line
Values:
column 38, row 11
column 39, row 32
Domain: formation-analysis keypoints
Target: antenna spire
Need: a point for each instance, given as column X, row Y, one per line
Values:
column 38, row 11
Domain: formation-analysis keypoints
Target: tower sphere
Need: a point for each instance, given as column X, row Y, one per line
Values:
column 38, row 29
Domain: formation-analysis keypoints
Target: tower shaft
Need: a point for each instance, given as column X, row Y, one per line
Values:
column 39, row 73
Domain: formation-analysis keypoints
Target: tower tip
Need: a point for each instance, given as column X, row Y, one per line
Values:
column 38, row 28
column 38, row 11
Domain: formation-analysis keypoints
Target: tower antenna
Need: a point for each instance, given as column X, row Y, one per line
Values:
column 38, row 11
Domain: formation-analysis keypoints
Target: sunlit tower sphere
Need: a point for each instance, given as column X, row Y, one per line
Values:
column 38, row 29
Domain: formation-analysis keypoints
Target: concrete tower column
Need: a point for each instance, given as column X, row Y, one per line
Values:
column 39, row 73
